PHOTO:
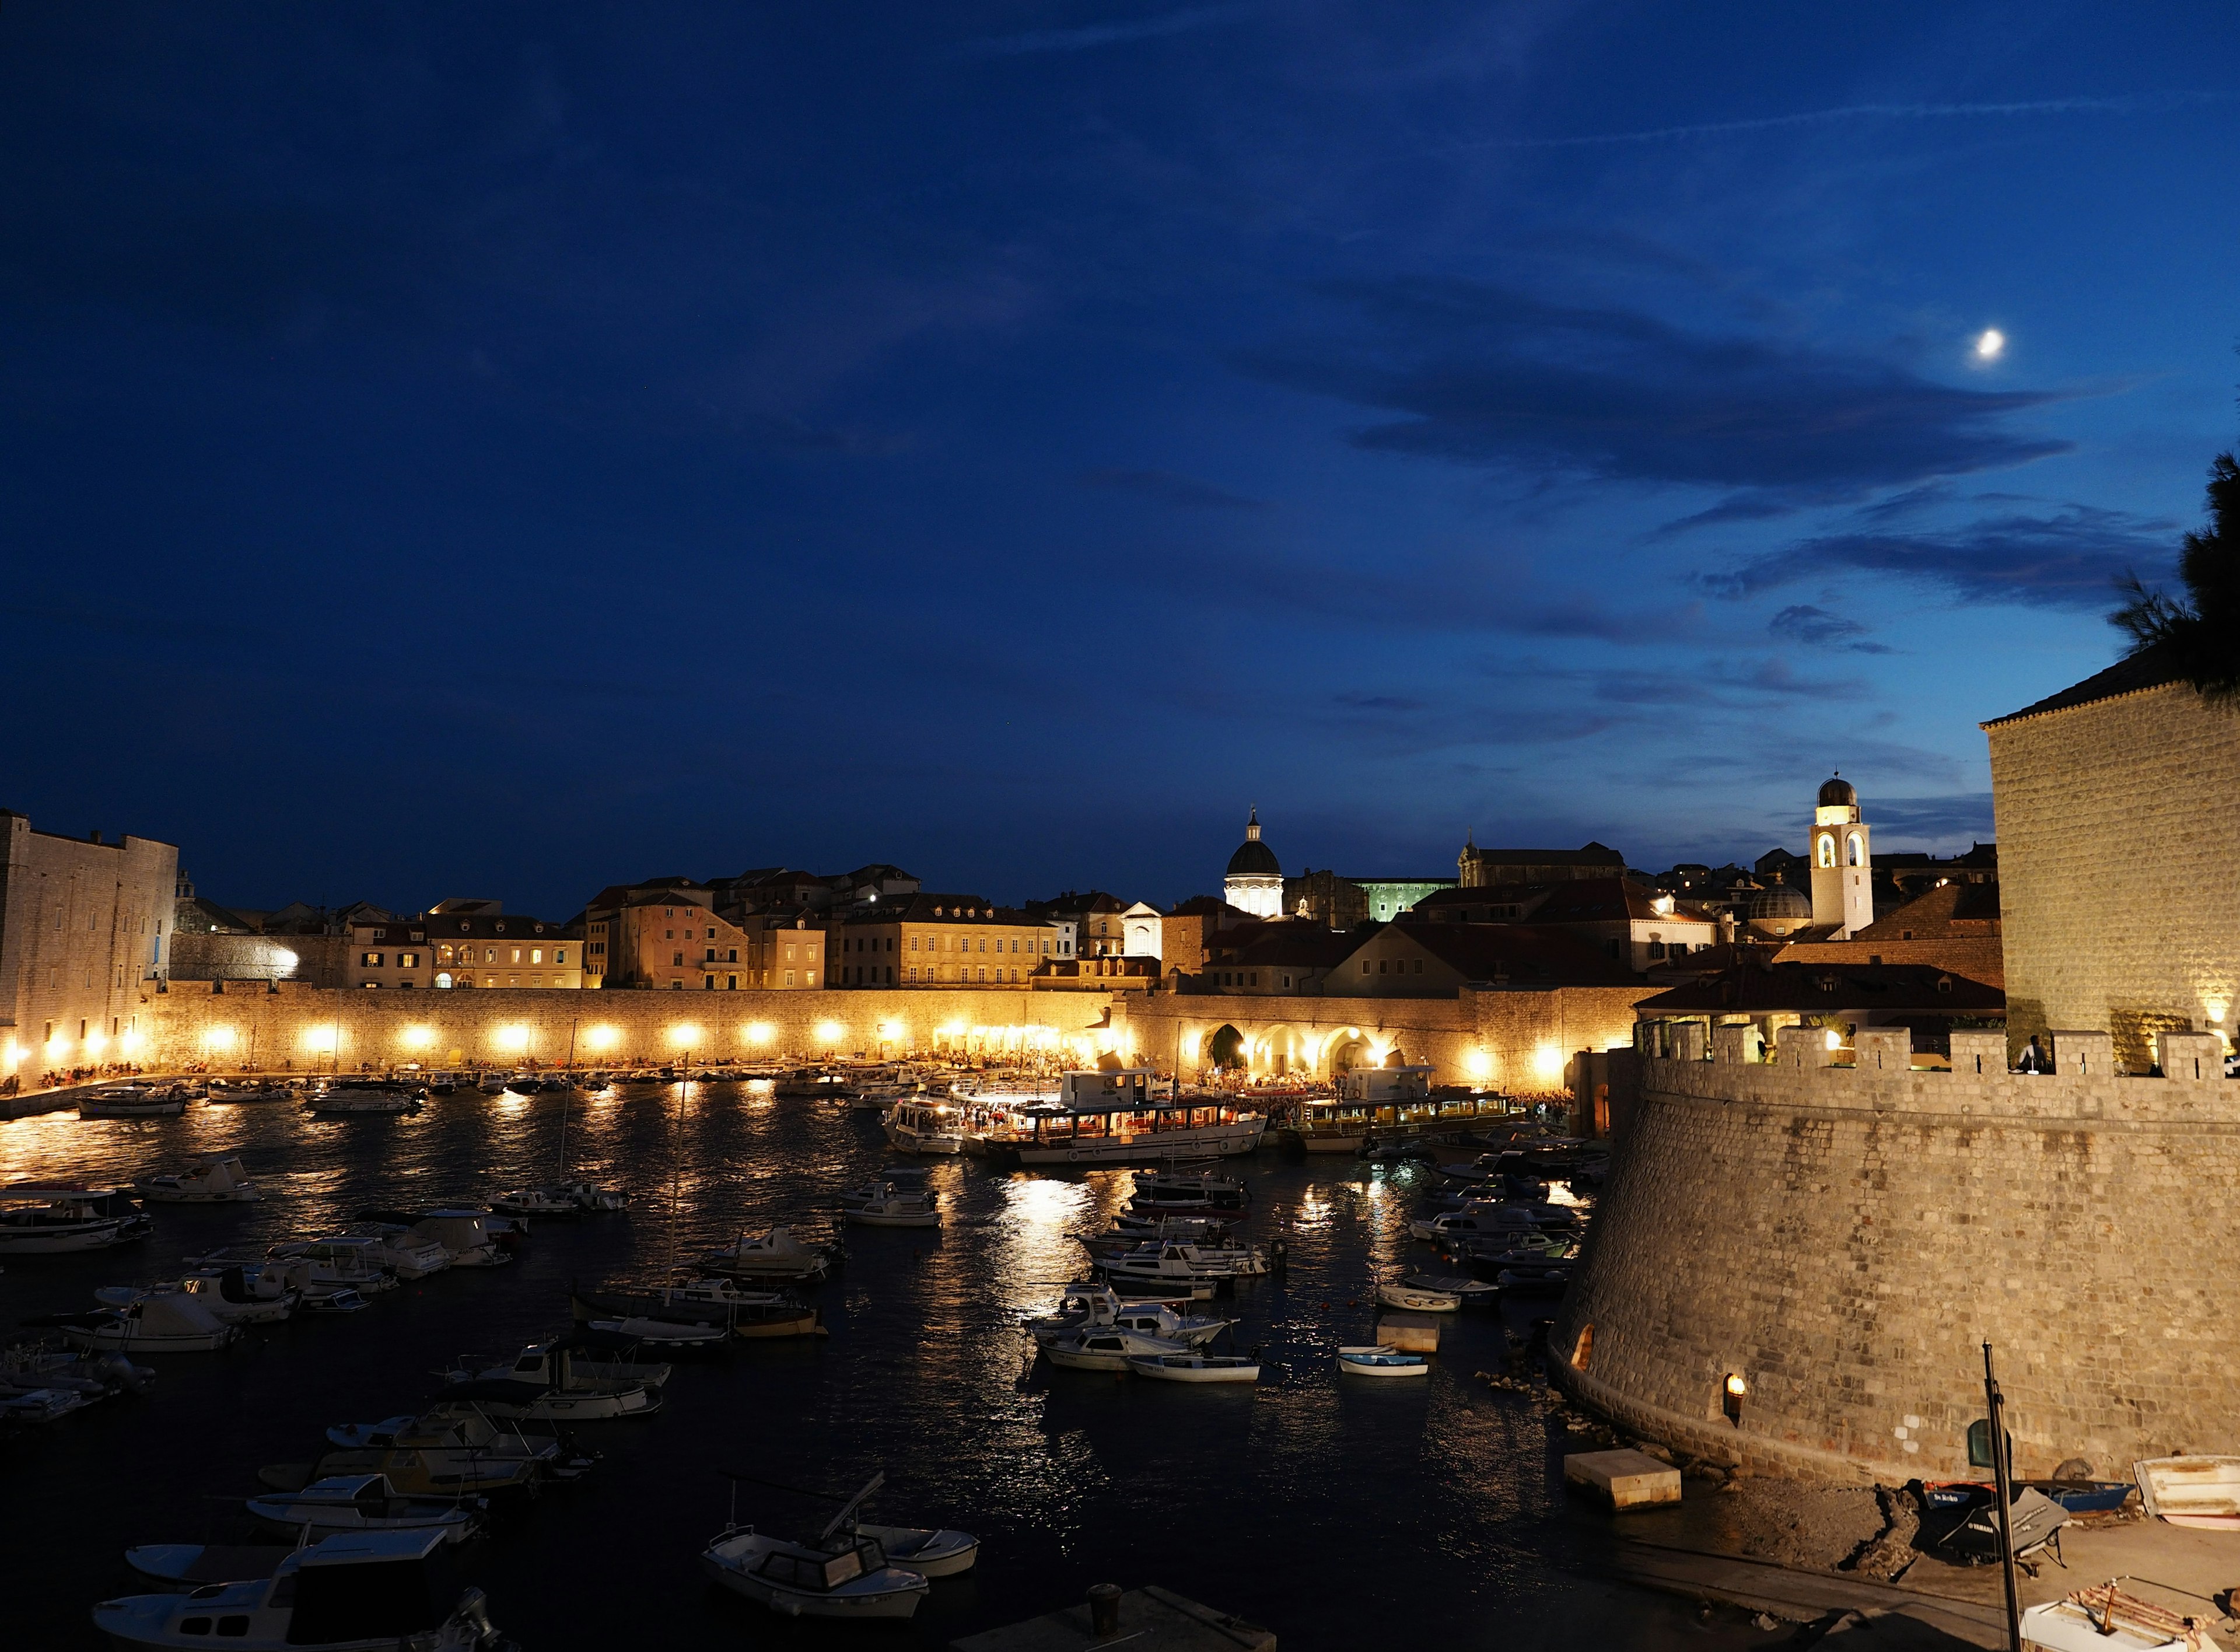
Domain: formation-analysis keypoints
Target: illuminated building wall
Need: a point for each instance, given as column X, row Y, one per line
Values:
column 83, row 925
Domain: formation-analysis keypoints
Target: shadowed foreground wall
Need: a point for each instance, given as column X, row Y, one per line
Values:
column 1845, row 1241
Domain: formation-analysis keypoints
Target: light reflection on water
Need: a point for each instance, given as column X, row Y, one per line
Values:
column 1311, row 1504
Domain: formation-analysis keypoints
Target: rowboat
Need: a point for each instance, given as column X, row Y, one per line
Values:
column 1195, row 1367
column 1382, row 1361
column 2191, row 1491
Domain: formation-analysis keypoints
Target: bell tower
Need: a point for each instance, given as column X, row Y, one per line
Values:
column 1843, row 861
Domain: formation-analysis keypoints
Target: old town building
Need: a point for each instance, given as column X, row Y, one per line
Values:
column 459, row 944
column 933, row 939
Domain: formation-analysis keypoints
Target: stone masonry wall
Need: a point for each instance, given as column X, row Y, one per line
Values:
column 307, row 1029
column 1845, row 1241
column 2119, row 866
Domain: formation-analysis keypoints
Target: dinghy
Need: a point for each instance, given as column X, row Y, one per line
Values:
column 1417, row 1299
column 1382, row 1361
column 2191, row 1491
column 1195, row 1367
column 662, row 1333
column 362, row 1503
column 351, row 1593
column 218, row 1179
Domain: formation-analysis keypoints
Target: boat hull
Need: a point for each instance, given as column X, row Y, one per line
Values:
column 1213, row 1141
column 893, row 1604
column 936, row 1554
column 1163, row 1372
column 96, row 1235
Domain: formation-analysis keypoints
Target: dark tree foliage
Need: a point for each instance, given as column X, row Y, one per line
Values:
column 2202, row 634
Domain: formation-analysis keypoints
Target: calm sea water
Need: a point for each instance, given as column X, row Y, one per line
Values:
column 1332, row 1511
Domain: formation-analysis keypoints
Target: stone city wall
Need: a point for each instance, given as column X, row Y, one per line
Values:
column 307, row 1029
column 1845, row 1240
column 2117, row 868
column 1521, row 1039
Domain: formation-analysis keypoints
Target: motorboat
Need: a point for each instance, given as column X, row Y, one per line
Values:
column 1382, row 1361
column 24, row 1407
column 362, row 1503
column 465, row 1429
column 1190, row 1191
column 361, row 1591
column 1476, row 1222
column 222, row 1094
column 1100, row 1307
column 173, row 1323
column 928, row 1552
column 537, row 1202
column 1195, row 1367
column 813, row 1083
column 322, row 1270
column 669, row 1335
column 1105, row 1348
column 882, row 1204
column 470, row 1238
column 718, row 1302
column 347, row 1097
column 394, row 1245
column 548, row 1383
column 1164, row 1265
column 2191, row 1491
column 95, row 1375
column 412, row 1471
column 795, row 1580
column 356, row 1260
column 37, row 1221
column 775, row 1255
column 231, row 1295
column 1137, row 1226
column 218, row 1179
column 595, row 1199
column 135, row 1101
column 190, row 1565
column 922, row 1125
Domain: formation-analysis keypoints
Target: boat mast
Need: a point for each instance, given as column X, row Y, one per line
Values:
column 565, row 1096
column 677, row 1157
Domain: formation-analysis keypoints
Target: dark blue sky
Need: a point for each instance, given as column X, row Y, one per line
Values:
column 501, row 450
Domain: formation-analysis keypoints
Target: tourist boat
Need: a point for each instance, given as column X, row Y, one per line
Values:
column 1190, row 1192
column 549, row 1383
column 1382, row 1361
column 232, row 1296
column 1104, row 1348
column 2191, row 1491
column 882, row 1204
column 1195, row 1367
column 1100, row 1307
column 358, row 1592
column 46, row 1220
column 775, row 1256
column 216, row 1179
column 925, row 1127
column 172, row 1323
column 347, row 1097
column 353, row 1502
column 1379, row 1106
column 1111, row 1117
column 464, row 1429
column 696, row 1302
column 797, row 1581
column 135, row 1101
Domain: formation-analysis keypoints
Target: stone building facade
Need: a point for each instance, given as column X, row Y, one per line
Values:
column 2117, row 872
column 1844, row 1240
column 83, row 925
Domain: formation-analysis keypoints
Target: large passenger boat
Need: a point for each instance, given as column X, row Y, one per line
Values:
column 1114, row 1117
column 1384, row 1107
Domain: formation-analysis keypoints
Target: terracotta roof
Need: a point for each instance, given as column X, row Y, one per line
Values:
column 1950, row 908
column 2148, row 668
column 1523, row 954
column 1830, row 989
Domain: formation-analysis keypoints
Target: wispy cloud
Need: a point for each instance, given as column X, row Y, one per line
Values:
column 1484, row 375
column 1818, row 628
column 2149, row 103
column 2069, row 559
column 1163, row 487
column 1088, row 36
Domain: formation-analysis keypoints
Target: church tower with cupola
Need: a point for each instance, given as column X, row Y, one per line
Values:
column 1255, row 881
column 1843, row 861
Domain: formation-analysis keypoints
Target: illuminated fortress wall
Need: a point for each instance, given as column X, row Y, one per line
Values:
column 309, row 1028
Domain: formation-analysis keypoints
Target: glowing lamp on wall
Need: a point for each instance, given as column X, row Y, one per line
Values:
column 220, row 1038
column 1480, row 1064
column 322, row 1039
column 684, row 1037
column 829, row 1032
column 95, row 1043
column 514, row 1038
column 14, row 1054
column 1730, row 1401
column 760, row 1032
column 1548, row 1061
column 1835, row 1039
column 133, row 1042
column 891, row 1031
column 418, row 1037
column 602, row 1037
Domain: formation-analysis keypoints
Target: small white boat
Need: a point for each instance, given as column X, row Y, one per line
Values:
column 40, row 1405
column 398, row 1247
column 1468, row 1290
column 135, row 1101
column 882, row 1204
column 662, row 1333
column 920, row 1125
column 218, row 1179
column 362, row 1503
column 173, row 1323
column 549, row 1383
column 40, row 1221
column 1416, row 1299
column 466, row 1237
column 221, row 1093
column 350, row 1097
column 1100, row 1307
column 1382, row 1361
column 463, row 1432
column 1195, row 1367
column 537, row 1202
column 2202, row 1492
column 350, row 1261
column 1161, row 1266
column 1106, row 1348
column 775, row 1256
column 359, row 1592
column 797, row 1581
column 233, row 1295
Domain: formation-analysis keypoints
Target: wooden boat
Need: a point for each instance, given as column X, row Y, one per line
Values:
column 1382, row 1361
column 1459, row 1285
column 1195, row 1367
column 351, row 1593
column 2191, row 1491
column 2105, row 1619
column 135, row 1101
column 718, row 1303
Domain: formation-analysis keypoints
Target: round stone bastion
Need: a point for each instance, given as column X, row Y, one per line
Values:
column 1795, row 1266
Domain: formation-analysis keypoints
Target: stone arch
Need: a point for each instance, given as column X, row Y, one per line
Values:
column 1349, row 1047
column 1224, row 1047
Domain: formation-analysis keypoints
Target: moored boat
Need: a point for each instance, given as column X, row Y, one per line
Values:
column 1105, row 1348
column 43, row 1220
column 1112, row 1117
column 883, row 1204
column 135, row 1101
column 922, row 1125
column 348, row 1097
column 1195, row 1367
column 217, row 1178
column 775, row 1256
column 172, row 1323
column 1379, row 1362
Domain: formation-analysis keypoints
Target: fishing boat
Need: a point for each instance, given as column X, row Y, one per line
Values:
column 882, row 1204
column 775, row 1256
column 38, row 1220
column 1105, row 1348
column 356, row 1592
column 795, row 1580
column 348, row 1097
column 216, row 1179
column 2105, row 1619
column 1112, row 1117
column 465, row 1429
column 135, row 1101
column 232, row 1296
column 2191, row 1491
column 173, row 1323
column 686, row 1301
column 1382, row 1361
column 1100, row 1307
column 1190, row 1192
column 1195, row 1367
column 917, row 1125
column 352, row 1502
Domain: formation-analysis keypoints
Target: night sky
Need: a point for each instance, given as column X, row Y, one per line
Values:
column 502, row 449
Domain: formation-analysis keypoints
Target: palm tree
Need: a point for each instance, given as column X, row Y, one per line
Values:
column 2201, row 634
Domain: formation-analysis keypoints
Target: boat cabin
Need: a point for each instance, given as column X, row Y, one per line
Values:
column 1384, row 1086
column 822, row 1573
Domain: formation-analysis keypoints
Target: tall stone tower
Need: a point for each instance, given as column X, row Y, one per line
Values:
column 1255, row 880
column 1843, row 861
column 1472, row 862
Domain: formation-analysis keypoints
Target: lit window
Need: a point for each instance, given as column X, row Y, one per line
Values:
column 536, row 955
column 811, row 977
column 443, row 979
column 789, row 977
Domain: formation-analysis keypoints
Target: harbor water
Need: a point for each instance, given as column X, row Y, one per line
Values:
column 1332, row 1509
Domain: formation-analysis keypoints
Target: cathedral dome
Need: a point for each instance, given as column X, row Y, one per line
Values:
column 1781, row 902
column 1254, row 858
column 1838, row 794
